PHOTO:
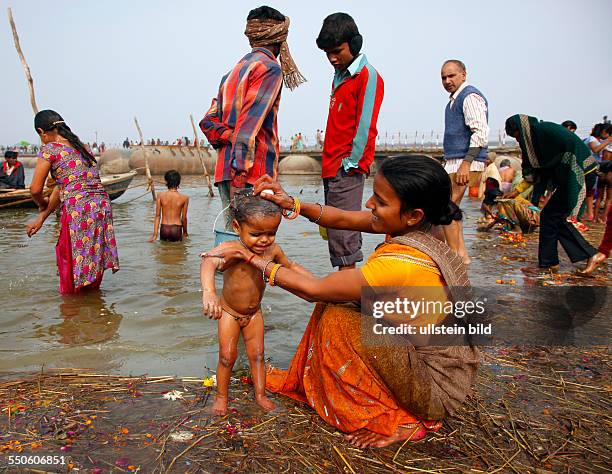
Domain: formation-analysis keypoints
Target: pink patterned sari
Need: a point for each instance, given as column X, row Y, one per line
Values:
column 86, row 246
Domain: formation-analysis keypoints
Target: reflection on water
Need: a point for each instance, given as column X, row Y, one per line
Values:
column 170, row 269
column 147, row 318
column 86, row 319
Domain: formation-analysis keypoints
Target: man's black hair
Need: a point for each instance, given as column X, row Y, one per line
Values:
column 569, row 124
column 456, row 62
column 337, row 28
column 265, row 13
column 10, row 154
column 173, row 179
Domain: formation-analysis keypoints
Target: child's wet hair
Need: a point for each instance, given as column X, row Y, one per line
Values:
column 245, row 206
column 173, row 179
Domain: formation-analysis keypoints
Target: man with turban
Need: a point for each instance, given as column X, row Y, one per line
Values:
column 241, row 123
column 12, row 175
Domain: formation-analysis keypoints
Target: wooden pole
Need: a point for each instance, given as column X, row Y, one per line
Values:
column 50, row 182
column 24, row 63
column 197, row 144
column 151, row 184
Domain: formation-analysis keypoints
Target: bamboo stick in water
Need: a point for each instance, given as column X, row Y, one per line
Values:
column 144, row 152
column 197, row 144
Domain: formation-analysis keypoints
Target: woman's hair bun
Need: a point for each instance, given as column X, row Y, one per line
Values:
column 451, row 213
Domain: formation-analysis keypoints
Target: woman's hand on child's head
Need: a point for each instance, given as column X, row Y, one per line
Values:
column 278, row 195
column 211, row 306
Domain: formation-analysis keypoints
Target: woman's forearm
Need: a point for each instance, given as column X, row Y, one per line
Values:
column 39, row 198
column 337, row 287
column 334, row 218
column 54, row 200
column 37, row 185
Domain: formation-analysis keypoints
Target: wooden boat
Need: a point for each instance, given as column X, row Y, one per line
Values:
column 115, row 186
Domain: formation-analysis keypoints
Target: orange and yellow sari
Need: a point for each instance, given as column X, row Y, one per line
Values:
column 335, row 374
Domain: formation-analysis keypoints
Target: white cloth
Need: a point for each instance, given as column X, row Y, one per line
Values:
column 490, row 172
column 475, row 113
column 451, row 166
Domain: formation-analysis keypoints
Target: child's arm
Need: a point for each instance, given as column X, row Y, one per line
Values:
column 184, row 218
column 211, row 306
column 157, row 219
column 280, row 257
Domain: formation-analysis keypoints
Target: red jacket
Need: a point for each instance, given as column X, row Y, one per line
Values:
column 350, row 136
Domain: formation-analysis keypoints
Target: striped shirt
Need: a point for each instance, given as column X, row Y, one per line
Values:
column 452, row 165
column 475, row 112
column 241, row 122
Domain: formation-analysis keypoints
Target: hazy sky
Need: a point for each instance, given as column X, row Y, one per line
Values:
column 100, row 63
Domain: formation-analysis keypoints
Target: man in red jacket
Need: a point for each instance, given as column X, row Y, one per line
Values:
column 350, row 135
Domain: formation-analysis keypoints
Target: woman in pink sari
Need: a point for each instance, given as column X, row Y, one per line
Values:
column 86, row 245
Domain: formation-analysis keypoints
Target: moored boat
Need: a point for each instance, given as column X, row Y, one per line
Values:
column 115, row 186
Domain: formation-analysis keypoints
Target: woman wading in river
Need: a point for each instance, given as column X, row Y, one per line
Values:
column 86, row 245
column 377, row 395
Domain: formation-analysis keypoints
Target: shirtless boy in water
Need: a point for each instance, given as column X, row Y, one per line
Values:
column 171, row 208
column 256, row 221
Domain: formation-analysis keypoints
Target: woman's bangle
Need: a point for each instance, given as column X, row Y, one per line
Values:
column 295, row 211
column 263, row 273
column 273, row 273
column 320, row 215
column 286, row 213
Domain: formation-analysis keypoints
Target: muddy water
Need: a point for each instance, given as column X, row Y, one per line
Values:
column 147, row 317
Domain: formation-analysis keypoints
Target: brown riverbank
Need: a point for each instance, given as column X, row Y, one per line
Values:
column 533, row 410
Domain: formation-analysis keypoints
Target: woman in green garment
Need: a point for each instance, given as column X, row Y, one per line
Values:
column 553, row 158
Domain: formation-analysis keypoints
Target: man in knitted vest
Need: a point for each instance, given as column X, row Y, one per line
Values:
column 466, row 136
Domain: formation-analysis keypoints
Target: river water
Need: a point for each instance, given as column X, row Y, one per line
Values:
column 147, row 317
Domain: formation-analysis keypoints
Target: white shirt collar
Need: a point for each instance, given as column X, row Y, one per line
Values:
column 458, row 91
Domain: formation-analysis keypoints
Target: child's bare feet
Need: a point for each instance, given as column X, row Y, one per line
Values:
column 265, row 403
column 219, row 407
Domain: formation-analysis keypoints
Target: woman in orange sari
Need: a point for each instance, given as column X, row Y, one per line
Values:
column 377, row 394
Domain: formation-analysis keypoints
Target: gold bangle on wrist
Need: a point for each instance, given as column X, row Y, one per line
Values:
column 295, row 211
column 273, row 273
column 263, row 272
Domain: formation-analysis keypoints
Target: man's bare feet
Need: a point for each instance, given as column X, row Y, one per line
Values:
column 219, row 407
column 265, row 403
column 592, row 264
column 540, row 271
column 368, row 439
